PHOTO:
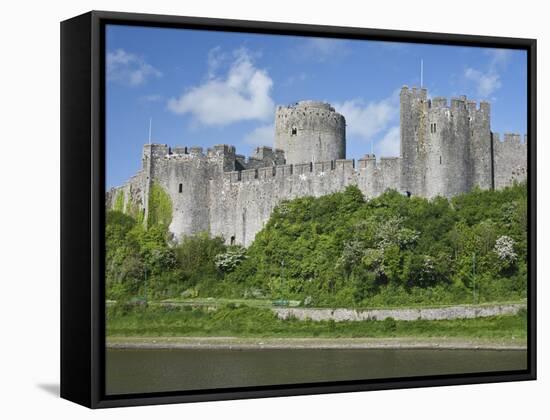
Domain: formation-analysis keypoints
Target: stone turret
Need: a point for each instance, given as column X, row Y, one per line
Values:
column 446, row 149
column 414, row 132
column 310, row 131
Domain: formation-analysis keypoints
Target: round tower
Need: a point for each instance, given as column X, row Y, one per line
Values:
column 310, row 131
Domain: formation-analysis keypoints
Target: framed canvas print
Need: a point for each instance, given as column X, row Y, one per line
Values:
column 255, row 209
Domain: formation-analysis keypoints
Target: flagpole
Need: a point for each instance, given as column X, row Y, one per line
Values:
column 421, row 73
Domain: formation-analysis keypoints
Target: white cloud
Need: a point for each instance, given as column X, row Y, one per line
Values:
column 389, row 145
column 487, row 82
column 243, row 94
column 215, row 59
column 366, row 120
column 261, row 136
column 128, row 68
column 321, row 49
column 499, row 57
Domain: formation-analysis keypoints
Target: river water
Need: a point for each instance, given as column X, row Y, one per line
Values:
column 137, row 371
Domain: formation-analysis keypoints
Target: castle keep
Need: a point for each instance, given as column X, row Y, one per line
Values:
column 446, row 149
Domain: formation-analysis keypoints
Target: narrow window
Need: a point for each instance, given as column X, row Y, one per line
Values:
column 435, row 128
column 294, row 131
column 180, row 189
column 233, row 240
column 440, row 160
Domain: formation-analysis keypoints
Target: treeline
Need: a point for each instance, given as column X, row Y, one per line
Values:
column 338, row 250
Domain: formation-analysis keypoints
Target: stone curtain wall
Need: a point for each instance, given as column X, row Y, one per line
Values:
column 445, row 150
column 242, row 202
column 510, row 159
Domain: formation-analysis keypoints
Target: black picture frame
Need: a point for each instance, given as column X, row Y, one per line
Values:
column 83, row 207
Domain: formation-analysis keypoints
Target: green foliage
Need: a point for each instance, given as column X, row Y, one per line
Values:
column 196, row 255
column 342, row 251
column 335, row 250
column 144, row 263
column 160, row 206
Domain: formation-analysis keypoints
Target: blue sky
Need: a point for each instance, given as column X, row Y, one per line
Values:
column 203, row 88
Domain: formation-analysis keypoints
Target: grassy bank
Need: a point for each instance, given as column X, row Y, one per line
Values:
column 244, row 321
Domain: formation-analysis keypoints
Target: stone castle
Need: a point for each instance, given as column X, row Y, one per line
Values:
column 446, row 149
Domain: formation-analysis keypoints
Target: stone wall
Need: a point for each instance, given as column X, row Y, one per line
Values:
column 408, row 314
column 413, row 135
column 510, row 159
column 242, row 202
column 445, row 150
column 480, row 145
column 375, row 177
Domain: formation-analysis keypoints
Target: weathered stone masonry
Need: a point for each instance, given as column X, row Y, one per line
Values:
column 446, row 149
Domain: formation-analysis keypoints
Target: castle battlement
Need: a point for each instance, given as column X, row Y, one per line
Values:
column 459, row 103
column 414, row 92
column 165, row 151
column 297, row 169
column 220, row 153
column 370, row 161
column 221, row 150
column 510, row 138
column 439, row 102
column 304, row 105
column 446, row 148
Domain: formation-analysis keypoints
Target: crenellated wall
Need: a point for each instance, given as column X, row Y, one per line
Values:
column 242, row 202
column 235, row 204
column 447, row 148
column 375, row 177
column 510, row 159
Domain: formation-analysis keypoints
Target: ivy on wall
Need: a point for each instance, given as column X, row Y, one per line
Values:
column 160, row 206
column 119, row 201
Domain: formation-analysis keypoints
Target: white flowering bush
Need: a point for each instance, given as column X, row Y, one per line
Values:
column 428, row 266
column 391, row 232
column 504, row 248
column 230, row 259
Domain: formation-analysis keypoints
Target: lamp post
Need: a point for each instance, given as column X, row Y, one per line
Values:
column 145, row 285
column 282, row 273
column 474, row 275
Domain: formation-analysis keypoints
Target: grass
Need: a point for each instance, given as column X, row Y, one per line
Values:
column 245, row 321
